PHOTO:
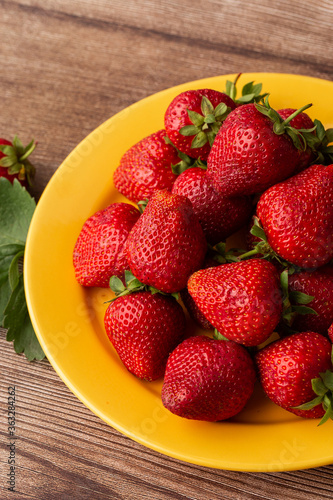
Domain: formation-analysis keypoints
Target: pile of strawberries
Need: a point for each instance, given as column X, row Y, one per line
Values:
column 222, row 165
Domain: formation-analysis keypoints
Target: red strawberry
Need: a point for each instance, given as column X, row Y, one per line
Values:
column 146, row 167
column 253, row 150
column 208, row 379
column 167, row 243
column 14, row 162
column 287, row 368
column 330, row 332
column 242, row 300
column 300, row 121
column 193, row 119
column 144, row 328
column 297, row 217
column 99, row 249
column 319, row 285
column 218, row 215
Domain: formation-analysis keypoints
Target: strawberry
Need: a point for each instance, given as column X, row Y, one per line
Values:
column 330, row 332
column 317, row 284
column 144, row 328
column 253, row 150
column 242, row 300
column 297, row 217
column 14, row 162
column 167, row 243
column 146, row 167
column 293, row 370
column 208, row 379
column 193, row 119
column 99, row 249
column 218, row 215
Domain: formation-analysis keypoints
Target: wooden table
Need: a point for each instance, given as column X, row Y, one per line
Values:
column 66, row 67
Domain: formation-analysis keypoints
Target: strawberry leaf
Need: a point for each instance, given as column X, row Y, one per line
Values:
column 18, row 324
column 189, row 130
column 16, row 210
column 300, row 297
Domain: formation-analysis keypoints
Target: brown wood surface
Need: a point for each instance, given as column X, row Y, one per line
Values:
column 66, row 67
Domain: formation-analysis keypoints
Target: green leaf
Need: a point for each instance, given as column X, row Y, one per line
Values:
column 18, row 145
column 258, row 231
column 199, row 140
column 116, row 285
column 311, row 404
column 189, row 130
column 318, row 386
column 300, row 297
column 320, row 129
column 206, row 107
column 220, row 109
column 328, row 414
column 20, row 330
column 284, row 282
column 196, row 118
column 16, row 209
column 209, row 118
column 13, row 272
column 304, row 310
column 327, row 378
column 218, row 336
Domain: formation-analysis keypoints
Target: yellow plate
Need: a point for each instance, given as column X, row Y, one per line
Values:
column 68, row 319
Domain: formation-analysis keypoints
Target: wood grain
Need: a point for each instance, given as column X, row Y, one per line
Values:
column 68, row 67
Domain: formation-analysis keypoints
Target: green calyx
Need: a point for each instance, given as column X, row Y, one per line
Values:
column 16, row 159
column 132, row 284
column 302, row 138
column 205, row 125
column 294, row 302
column 323, row 388
column 321, row 144
column 185, row 160
column 220, row 254
column 261, row 248
column 251, row 92
column 218, row 336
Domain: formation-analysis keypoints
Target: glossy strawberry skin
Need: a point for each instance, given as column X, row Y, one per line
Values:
column 247, row 157
column 300, row 121
column 319, row 285
column 144, row 328
column 242, row 300
column 176, row 117
column 146, row 167
column 297, row 217
column 167, row 243
column 218, row 215
column 287, row 366
column 208, row 379
column 99, row 250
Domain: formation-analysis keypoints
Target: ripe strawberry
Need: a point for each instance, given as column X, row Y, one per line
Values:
column 242, row 300
column 330, row 332
column 167, row 243
column 319, row 285
column 208, row 379
column 14, row 162
column 253, row 150
column 297, row 217
column 193, row 119
column 144, row 328
column 146, row 167
column 218, row 215
column 99, row 249
column 294, row 369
